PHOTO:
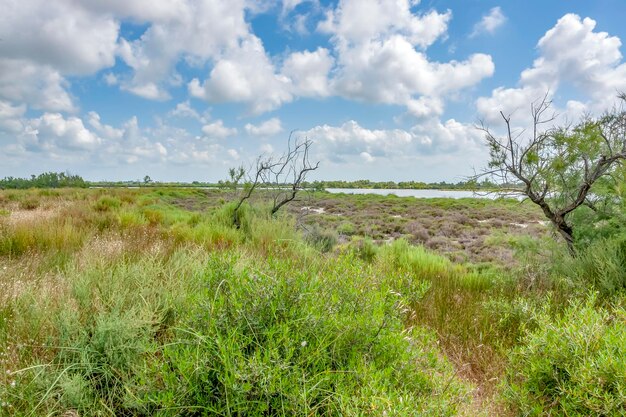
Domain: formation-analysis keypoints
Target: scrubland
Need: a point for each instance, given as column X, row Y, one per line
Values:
column 142, row 302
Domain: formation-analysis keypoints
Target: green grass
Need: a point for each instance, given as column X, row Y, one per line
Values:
column 149, row 302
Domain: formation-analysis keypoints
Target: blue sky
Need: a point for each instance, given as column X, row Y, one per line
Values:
column 386, row 89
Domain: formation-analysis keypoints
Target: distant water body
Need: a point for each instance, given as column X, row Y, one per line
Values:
column 415, row 193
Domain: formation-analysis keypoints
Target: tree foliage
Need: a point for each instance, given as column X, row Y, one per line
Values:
column 44, row 180
column 560, row 168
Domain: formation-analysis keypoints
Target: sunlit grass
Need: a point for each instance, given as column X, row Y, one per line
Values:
column 150, row 302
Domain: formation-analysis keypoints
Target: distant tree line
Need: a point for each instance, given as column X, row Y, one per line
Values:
column 408, row 185
column 45, row 180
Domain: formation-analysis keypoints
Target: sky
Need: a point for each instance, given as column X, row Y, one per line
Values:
column 387, row 90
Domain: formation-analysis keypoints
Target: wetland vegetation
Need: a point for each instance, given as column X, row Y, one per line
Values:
column 143, row 302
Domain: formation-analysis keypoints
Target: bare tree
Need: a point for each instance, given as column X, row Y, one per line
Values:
column 557, row 167
column 291, row 171
column 284, row 175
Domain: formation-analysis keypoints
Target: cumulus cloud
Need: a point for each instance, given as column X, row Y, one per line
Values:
column 357, row 21
column 233, row 154
column 52, row 131
column 245, row 74
column 218, row 130
column 393, row 72
column 40, row 87
column 379, row 47
column 43, row 42
column 11, row 117
column 192, row 30
column 270, row 127
column 90, row 145
column 572, row 54
column 103, row 130
column 308, row 71
column 489, row 22
column 340, row 143
column 185, row 110
column 59, row 34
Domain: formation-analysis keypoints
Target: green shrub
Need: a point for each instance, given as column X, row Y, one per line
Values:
column 324, row 240
column 289, row 342
column 29, row 203
column 364, row 248
column 572, row 365
column 107, row 203
column 603, row 266
column 346, row 228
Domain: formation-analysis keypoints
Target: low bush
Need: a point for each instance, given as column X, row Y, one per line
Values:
column 572, row 365
column 292, row 342
column 324, row 240
column 29, row 203
column 107, row 203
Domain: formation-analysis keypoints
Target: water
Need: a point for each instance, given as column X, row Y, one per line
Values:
column 415, row 193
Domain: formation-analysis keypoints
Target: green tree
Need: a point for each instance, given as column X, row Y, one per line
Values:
column 560, row 168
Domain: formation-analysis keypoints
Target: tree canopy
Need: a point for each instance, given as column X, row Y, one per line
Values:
column 561, row 168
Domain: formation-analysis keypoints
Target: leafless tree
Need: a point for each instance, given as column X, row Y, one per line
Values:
column 557, row 167
column 284, row 176
column 290, row 172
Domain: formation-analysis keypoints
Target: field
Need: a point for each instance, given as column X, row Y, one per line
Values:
column 141, row 302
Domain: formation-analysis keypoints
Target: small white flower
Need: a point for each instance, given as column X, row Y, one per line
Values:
column 12, row 384
column 303, row 343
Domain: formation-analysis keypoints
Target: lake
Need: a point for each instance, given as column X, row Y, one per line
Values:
column 414, row 193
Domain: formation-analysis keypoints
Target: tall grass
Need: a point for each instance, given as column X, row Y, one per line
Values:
column 184, row 315
column 150, row 302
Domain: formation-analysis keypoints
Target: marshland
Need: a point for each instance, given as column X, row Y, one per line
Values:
column 312, row 208
column 148, row 301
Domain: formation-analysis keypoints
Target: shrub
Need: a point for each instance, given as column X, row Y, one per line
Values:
column 572, row 365
column 603, row 266
column 291, row 342
column 364, row 248
column 29, row 203
column 107, row 203
column 419, row 233
column 346, row 228
column 324, row 240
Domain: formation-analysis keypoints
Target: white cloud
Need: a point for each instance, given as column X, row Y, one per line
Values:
column 393, row 72
column 425, row 107
column 110, row 79
column 103, row 130
column 233, row 154
column 379, row 47
column 41, row 87
column 217, row 130
column 270, row 127
column 45, row 41
column 266, row 148
column 367, row 157
column 340, row 143
column 571, row 54
column 489, row 22
column 192, row 30
column 148, row 90
column 60, row 34
column 52, row 132
column 54, row 140
column 184, row 110
column 11, row 117
column 309, row 71
column 246, row 75
column 290, row 5
column 358, row 21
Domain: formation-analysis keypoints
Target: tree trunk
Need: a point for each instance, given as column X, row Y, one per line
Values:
column 568, row 234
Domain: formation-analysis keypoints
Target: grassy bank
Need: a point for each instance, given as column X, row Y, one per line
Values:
column 148, row 302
